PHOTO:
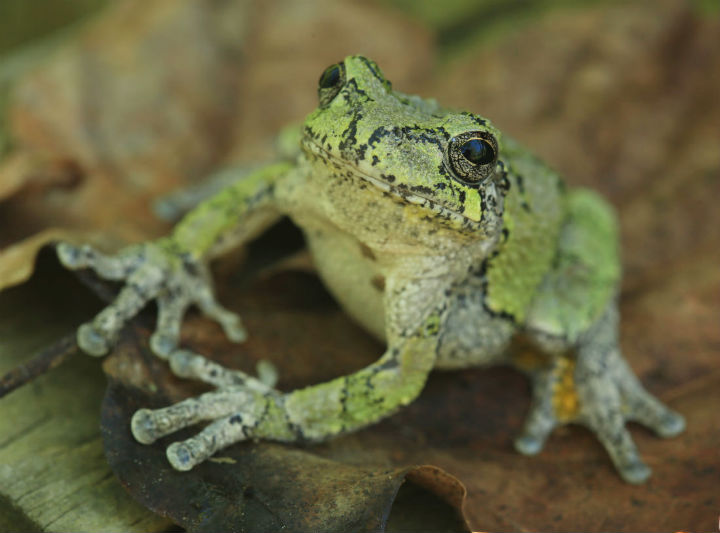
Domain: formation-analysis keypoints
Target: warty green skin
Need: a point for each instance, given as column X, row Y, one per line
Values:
column 444, row 270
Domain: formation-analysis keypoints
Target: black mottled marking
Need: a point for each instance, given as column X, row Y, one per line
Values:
column 443, row 171
column 375, row 160
column 236, row 419
column 189, row 266
column 421, row 189
column 351, row 92
column 137, row 289
column 349, row 136
column 391, row 363
column 521, row 189
column 483, row 205
column 344, row 396
column 366, row 251
column 372, row 67
column 309, row 132
column 378, row 134
column 503, row 180
column 390, row 178
column 412, row 133
column 478, row 120
column 378, row 282
column 481, row 273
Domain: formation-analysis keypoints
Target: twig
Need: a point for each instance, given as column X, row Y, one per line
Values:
column 47, row 359
column 100, row 287
column 55, row 354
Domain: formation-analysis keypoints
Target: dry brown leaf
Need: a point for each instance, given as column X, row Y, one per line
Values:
column 18, row 260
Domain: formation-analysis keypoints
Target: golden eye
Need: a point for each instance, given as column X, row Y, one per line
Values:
column 472, row 155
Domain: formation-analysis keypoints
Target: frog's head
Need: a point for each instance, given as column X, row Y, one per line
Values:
column 447, row 162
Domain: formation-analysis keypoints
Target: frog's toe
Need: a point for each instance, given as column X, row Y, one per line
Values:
column 636, row 473
column 98, row 336
column 149, row 425
column 163, row 344
column 234, row 412
column 541, row 420
column 142, row 426
column 92, row 341
column 231, row 323
column 663, row 421
column 267, row 372
column 220, row 434
column 85, row 256
column 180, row 456
column 187, row 364
column 670, row 425
column 624, row 455
column 649, row 411
column 529, row 444
column 608, row 423
column 538, row 426
column 171, row 310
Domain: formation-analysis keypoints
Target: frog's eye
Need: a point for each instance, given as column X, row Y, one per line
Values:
column 472, row 155
column 330, row 83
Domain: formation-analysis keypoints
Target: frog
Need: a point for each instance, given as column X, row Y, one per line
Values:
column 442, row 237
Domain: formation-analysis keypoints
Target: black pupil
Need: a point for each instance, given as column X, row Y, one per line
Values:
column 478, row 151
column 330, row 77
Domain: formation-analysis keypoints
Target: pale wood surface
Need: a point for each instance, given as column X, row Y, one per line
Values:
column 53, row 473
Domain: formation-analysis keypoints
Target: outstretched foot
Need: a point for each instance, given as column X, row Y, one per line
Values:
column 601, row 393
column 151, row 271
column 242, row 407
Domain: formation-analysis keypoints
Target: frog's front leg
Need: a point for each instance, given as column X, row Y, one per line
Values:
column 315, row 413
column 595, row 387
column 173, row 270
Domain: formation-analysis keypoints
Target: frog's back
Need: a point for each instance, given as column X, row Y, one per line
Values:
column 535, row 207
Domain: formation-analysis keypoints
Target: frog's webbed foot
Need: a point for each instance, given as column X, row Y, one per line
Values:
column 234, row 412
column 150, row 271
column 597, row 389
column 236, row 409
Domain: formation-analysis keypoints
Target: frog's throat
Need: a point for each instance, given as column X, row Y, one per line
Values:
column 399, row 192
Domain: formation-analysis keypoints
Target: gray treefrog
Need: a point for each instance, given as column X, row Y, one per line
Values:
column 435, row 232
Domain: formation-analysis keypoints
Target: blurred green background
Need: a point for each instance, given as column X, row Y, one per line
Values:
column 455, row 21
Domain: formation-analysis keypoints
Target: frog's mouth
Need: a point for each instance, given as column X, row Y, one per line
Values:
column 400, row 192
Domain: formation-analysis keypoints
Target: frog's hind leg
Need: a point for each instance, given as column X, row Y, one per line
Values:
column 574, row 317
column 597, row 388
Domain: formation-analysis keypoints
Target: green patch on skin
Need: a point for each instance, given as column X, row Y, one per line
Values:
column 585, row 273
column 534, row 210
column 201, row 231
